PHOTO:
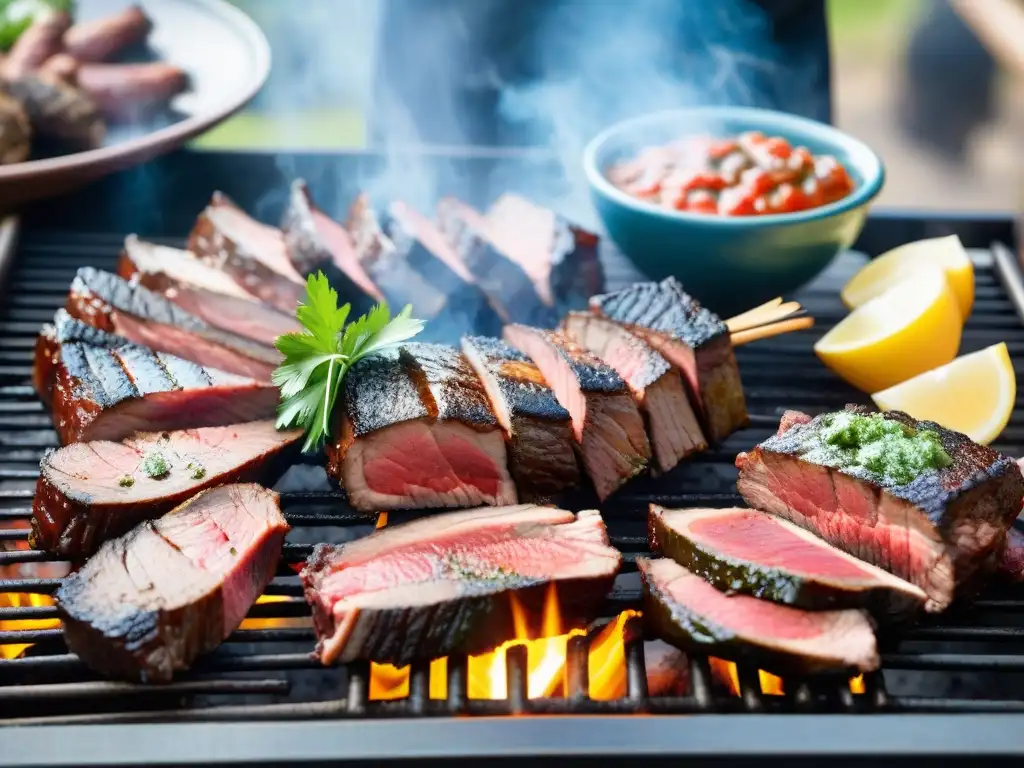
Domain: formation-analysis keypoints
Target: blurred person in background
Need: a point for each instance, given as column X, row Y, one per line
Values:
column 446, row 68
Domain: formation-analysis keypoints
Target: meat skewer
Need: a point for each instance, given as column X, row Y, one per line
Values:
column 100, row 39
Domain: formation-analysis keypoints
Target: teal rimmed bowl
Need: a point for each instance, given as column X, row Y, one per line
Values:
column 730, row 263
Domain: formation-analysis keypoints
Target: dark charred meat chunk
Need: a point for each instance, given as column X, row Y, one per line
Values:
column 100, row 39
column 750, row 552
column 443, row 584
column 417, row 432
column 202, row 291
column 606, row 423
column 560, row 257
column 15, row 131
column 126, row 92
column 252, row 254
column 88, row 493
column 147, row 604
column 685, row 610
column 35, row 45
column 937, row 531
column 64, row 329
column 1011, row 563
column 510, row 290
column 112, row 304
column 541, row 451
column 317, row 242
column 58, row 111
column 657, row 386
column 692, row 338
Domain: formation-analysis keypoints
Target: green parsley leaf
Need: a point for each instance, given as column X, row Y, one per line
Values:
column 317, row 359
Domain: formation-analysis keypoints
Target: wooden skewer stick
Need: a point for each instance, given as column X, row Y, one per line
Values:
column 742, row 320
column 772, row 329
column 774, row 315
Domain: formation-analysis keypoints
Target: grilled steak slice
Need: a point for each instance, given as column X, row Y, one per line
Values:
column 685, row 610
column 252, row 254
column 202, row 291
column 561, row 258
column 58, row 111
column 64, row 329
column 423, row 246
column 1011, row 563
column 656, row 385
column 690, row 337
column 936, row 531
column 754, row 553
column 605, row 420
column 88, row 493
column 510, row 290
column 108, row 393
column 417, row 432
column 147, row 604
column 316, row 242
column 541, row 450
column 443, row 584
column 112, row 304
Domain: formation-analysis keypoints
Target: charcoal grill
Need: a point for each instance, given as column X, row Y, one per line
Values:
column 952, row 687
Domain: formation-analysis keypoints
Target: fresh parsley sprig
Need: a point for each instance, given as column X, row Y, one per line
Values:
column 317, row 358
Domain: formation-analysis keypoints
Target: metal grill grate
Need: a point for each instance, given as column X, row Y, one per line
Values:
column 254, row 674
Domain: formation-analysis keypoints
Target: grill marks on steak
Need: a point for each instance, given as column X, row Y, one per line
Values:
column 656, row 385
column 606, row 422
column 146, row 605
column 541, row 450
column 751, row 552
column 112, row 304
column 252, row 254
column 691, row 337
column 80, row 500
column 687, row 611
column 47, row 351
column 441, row 585
column 202, row 291
column 417, row 432
column 936, row 532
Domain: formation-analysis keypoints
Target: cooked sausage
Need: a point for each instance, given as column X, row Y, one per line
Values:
column 36, row 44
column 100, row 39
column 124, row 91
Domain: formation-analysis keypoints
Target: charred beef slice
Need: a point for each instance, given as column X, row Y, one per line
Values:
column 417, row 431
column 657, row 386
column 315, row 242
column 688, row 612
column 64, row 329
column 936, row 531
column 541, row 445
column 442, row 584
column 692, row 338
column 90, row 492
column 606, row 423
column 252, row 254
column 560, row 257
column 753, row 553
column 147, row 604
column 510, row 290
column 202, row 291
column 112, row 304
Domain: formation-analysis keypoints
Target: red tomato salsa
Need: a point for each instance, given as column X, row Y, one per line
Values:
column 751, row 175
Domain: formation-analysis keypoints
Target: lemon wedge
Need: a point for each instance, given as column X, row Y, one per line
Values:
column 974, row 394
column 894, row 266
column 911, row 328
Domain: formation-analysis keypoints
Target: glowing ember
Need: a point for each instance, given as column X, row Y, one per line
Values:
column 857, row 684
column 275, row 623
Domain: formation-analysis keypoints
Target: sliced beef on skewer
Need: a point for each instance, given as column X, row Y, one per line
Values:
column 685, row 610
column 252, row 254
column 88, row 493
column 506, row 283
column 201, row 290
column 541, row 450
column 100, row 39
column 443, row 584
column 126, row 92
column 417, row 431
column 561, row 258
column 15, row 131
column 36, row 45
column 420, row 242
column 112, row 304
column 147, row 604
column 58, row 111
column 692, row 338
column 750, row 552
column 939, row 531
column 317, row 242
column 657, row 386
column 606, row 423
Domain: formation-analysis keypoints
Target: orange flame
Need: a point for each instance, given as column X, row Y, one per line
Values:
column 275, row 623
column 17, row 600
column 726, row 673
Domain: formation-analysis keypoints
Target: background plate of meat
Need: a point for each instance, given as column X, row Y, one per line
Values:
column 118, row 84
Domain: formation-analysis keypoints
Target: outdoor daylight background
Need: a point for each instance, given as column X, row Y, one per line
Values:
column 323, row 54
